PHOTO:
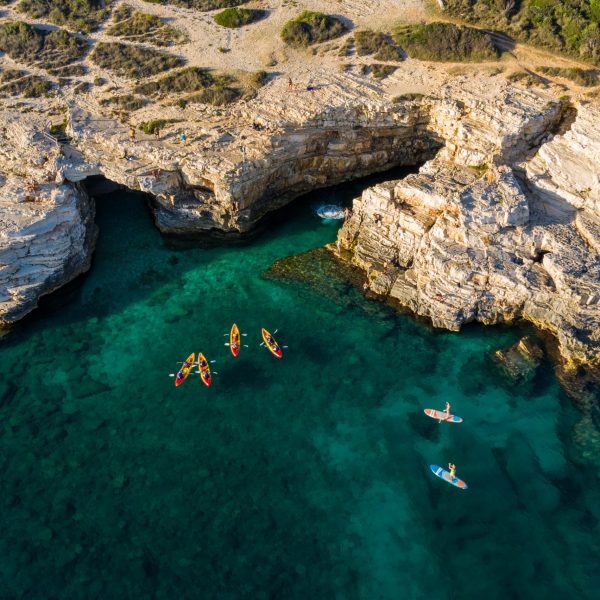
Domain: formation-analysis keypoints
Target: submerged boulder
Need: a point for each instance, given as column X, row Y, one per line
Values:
column 519, row 361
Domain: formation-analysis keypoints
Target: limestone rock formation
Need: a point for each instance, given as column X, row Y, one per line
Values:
column 500, row 224
column 520, row 360
column 519, row 241
column 47, row 230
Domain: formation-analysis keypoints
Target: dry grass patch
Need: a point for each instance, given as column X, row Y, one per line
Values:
column 19, row 83
column 203, row 5
column 136, row 26
column 132, row 61
column 582, row 77
column 41, row 48
column 81, row 15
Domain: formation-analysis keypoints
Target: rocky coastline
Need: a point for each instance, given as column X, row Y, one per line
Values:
column 500, row 224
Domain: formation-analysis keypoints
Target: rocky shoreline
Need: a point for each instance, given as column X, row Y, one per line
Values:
column 500, row 224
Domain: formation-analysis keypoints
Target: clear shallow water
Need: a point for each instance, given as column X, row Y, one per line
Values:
column 302, row 478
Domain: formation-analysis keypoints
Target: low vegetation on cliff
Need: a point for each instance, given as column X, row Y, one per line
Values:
column 238, row 17
column 137, row 26
column 583, row 77
column 202, row 85
column 38, row 47
column 82, row 15
column 19, row 83
column 572, row 27
column 132, row 61
column 203, row 5
column 377, row 43
column 311, row 28
column 446, row 42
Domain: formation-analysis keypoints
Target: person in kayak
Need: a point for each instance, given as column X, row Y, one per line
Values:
column 205, row 374
column 180, row 375
column 203, row 363
column 452, row 468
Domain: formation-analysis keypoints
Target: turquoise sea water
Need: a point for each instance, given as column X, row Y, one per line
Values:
column 306, row 477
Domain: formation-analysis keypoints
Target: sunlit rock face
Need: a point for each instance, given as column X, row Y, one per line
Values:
column 515, row 239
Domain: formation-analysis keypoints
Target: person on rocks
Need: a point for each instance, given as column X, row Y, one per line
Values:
column 157, row 134
column 377, row 219
column 132, row 134
column 290, row 85
column 346, row 213
column 183, row 137
column 365, row 286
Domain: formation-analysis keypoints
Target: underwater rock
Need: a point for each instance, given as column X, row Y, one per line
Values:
column 520, row 360
column 320, row 270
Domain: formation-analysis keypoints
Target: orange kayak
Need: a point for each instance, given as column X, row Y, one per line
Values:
column 204, row 369
column 234, row 340
column 271, row 344
column 185, row 370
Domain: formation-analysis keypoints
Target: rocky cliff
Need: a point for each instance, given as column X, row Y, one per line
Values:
column 47, row 230
column 500, row 224
column 514, row 238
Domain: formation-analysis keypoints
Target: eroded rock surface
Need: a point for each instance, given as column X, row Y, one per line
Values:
column 500, row 224
column 519, row 241
column 47, row 230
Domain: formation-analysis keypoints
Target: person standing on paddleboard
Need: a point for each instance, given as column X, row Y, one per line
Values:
column 452, row 468
column 446, row 411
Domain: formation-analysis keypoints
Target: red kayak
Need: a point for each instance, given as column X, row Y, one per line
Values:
column 271, row 344
column 204, row 369
column 234, row 340
column 185, row 370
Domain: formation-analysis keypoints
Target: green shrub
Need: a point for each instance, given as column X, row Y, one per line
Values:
column 572, row 26
column 141, row 27
column 311, row 28
column 149, row 127
column 409, row 97
column 19, row 83
column 69, row 71
column 583, row 77
column 133, row 61
column 190, row 79
column 375, row 42
column 446, row 42
column 83, row 15
column 127, row 102
column 216, row 96
column 37, row 47
column 238, row 17
column 382, row 71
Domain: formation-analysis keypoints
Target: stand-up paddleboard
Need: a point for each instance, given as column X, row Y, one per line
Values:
column 185, row 370
column 440, row 415
column 445, row 475
column 204, row 369
column 271, row 344
column 234, row 340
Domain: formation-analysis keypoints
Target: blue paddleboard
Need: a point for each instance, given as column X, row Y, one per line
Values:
column 445, row 475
